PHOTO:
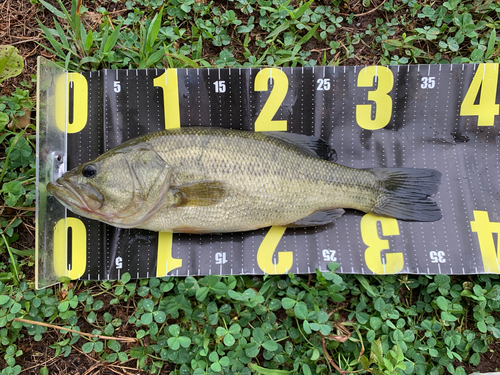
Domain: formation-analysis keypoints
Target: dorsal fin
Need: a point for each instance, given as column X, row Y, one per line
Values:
column 310, row 144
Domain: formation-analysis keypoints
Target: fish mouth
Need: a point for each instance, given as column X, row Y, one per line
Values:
column 71, row 197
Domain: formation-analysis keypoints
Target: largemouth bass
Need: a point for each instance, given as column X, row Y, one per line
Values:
column 211, row 180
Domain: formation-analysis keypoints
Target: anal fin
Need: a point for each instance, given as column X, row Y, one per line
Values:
column 318, row 218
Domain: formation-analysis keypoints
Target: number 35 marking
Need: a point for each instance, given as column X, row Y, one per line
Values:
column 428, row 83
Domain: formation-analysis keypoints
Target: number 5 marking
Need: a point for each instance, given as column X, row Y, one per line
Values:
column 383, row 102
column 265, row 120
column 165, row 262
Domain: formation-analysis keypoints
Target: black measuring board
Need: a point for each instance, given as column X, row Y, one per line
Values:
column 443, row 117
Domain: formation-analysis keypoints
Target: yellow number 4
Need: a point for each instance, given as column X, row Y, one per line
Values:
column 485, row 230
column 485, row 83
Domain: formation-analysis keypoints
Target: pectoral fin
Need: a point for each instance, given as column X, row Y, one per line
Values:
column 318, row 218
column 204, row 193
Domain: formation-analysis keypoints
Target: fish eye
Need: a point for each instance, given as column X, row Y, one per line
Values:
column 89, row 171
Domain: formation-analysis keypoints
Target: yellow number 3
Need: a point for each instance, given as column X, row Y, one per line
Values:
column 383, row 102
column 373, row 254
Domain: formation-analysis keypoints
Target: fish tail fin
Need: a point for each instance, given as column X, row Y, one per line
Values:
column 406, row 193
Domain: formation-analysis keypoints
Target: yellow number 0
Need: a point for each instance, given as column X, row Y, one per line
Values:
column 373, row 254
column 78, row 247
column 383, row 102
column 165, row 262
column 79, row 84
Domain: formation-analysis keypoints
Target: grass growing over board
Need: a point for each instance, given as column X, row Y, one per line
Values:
column 308, row 324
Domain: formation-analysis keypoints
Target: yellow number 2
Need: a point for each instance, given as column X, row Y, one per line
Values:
column 485, row 83
column 267, row 249
column 265, row 120
column 383, row 102
column 264, row 123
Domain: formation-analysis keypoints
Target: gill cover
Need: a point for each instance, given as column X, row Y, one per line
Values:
column 151, row 177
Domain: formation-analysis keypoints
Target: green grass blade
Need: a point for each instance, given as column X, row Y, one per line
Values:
column 265, row 371
column 273, row 34
column 90, row 60
column 61, row 34
column 67, row 60
column 66, row 14
column 198, row 50
column 170, row 62
column 205, row 63
column 54, row 43
column 153, row 59
column 491, row 44
column 186, row 60
column 153, row 30
column 259, row 61
column 52, row 9
column 309, row 34
column 364, row 282
column 300, row 11
column 88, row 41
column 13, row 261
column 24, row 253
column 111, row 42
column 75, row 17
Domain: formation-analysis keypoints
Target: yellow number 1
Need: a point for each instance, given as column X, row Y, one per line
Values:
column 165, row 262
column 168, row 83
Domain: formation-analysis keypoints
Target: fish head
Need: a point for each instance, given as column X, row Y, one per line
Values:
column 119, row 188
